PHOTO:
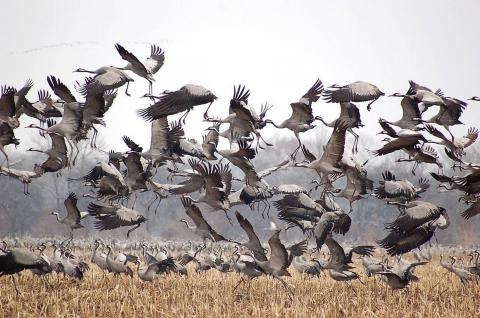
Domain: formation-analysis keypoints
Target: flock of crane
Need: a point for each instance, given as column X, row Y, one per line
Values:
column 206, row 169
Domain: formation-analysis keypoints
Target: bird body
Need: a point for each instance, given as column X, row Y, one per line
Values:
column 174, row 102
column 358, row 91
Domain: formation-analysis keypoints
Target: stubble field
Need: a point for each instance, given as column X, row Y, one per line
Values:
column 211, row 294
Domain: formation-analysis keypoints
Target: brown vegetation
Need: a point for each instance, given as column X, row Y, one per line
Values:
column 437, row 294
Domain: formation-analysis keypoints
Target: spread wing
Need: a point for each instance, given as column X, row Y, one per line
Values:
column 156, row 59
column 132, row 59
column 473, row 210
column 336, row 144
column 73, row 214
column 254, row 242
column 337, row 255
column 279, row 255
column 7, row 102
column 112, row 217
column 131, row 144
column 60, row 89
column 196, row 215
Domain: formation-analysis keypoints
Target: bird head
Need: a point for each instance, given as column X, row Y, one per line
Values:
column 396, row 95
column 147, row 95
column 213, row 128
column 269, row 121
column 335, row 86
column 333, row 191
column 81, row 70
column 442, row 187
column 211, row 95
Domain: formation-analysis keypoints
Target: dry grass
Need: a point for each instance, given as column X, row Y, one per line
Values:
column 437, row 294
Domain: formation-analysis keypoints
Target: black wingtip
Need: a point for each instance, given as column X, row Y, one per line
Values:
column 144, row 113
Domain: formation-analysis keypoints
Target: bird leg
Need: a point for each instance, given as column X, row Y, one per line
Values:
column 184, row 117
column 76, row 155
column 259, row 136
column 93, row 142
column 238, row 284
column 264, row 208
column 369, row 106
column 451, row 135
column 355, row 142
column 205, row 115
column 126, row 90
column 151, row 203
column 294, row 153
column 15, row 285
column 318, row 184
column 45, row 280
column 228, row 217
column 158, row 204
column 285, row 285
column 71, row 151
column 6, row 157
column 132, row 229
column 415, row 165
column 352, row 198
column 351, row 207
column 134, row 200
column 353, row 289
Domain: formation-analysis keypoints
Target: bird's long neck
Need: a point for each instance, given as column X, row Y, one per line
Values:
column 94, row 252
column 283, row 124
column 190, row 227
column 476, row 258
column 57, row 216
column 325, row 123
column 109, row 259
column 237, row 255
column 442, row 262
column 82, row 70
column 447, row 187
column 453, row 261
column 36, row 150
column 274, row 125
column 38, row 127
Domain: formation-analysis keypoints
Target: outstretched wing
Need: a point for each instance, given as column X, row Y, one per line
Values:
column 73, row 214
column 254, row 242
column 132, row 59
column 156, row 59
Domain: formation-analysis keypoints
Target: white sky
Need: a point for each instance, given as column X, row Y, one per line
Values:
column 276, row 48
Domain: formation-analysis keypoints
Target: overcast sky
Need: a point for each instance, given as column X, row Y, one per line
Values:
column 276, row 48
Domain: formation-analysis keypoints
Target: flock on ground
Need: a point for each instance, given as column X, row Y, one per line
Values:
column 209, row 184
